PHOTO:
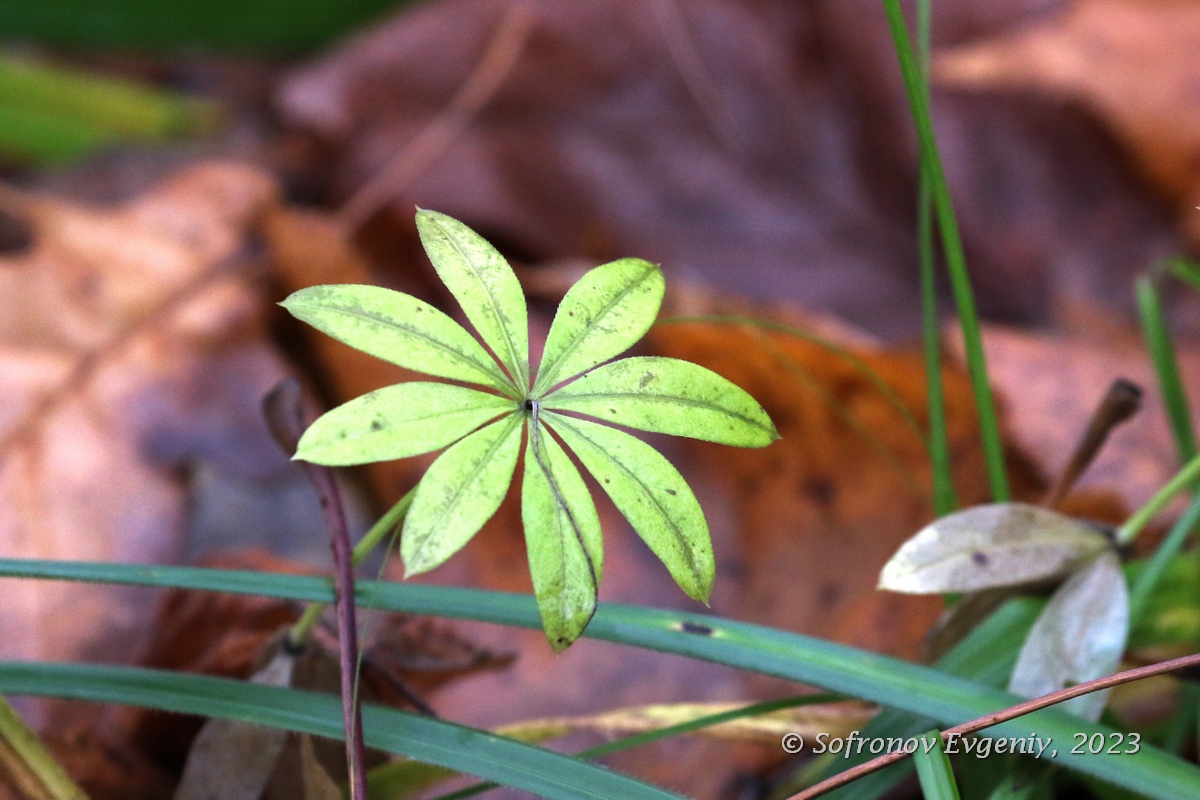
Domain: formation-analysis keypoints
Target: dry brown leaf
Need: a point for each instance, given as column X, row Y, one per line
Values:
column 763, row 146
column 234, row 760
column 129, row 343
column 1136, row 62
column 317, row 783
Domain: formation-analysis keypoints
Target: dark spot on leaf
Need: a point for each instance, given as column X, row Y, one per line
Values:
column 979, row 558
column 692, row 627
column 376, row 425
column 612, row 411
column 570, row 313
column 672, row 492
column 649, row 376
column 606, row 480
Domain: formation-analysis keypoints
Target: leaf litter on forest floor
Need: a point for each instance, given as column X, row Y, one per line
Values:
column 709, row 137
column 1134, row 63
column 120, row 331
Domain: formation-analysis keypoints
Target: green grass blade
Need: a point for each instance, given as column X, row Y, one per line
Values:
column 986, row 655
column 933, row 769
column 445, row 744
column 381, row 779
column 121, row 108
column 944, row 500
column 960, row 281
column 946, row 699
column 1185, row 270
column 1140, row 518
column 1166, row 367
column 33, row 137
column 1148, row 577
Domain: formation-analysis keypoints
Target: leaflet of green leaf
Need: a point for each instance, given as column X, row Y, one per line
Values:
column 562, row 535
column 398, row 329
column 459, row 493
column 484, row 285
column 1079, row 636
column 667, row 395
column 1000, row 544
column 650, row 493
column 601, row 316
column 398, row 421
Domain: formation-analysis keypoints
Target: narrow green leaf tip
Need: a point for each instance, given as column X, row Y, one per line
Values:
column 562, row 534
column 485, row 286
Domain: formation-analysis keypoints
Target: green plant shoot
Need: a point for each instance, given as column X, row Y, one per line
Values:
column 603, row 315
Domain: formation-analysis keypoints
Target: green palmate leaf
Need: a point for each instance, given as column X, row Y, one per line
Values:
column 650, row 493
column 397, row 328
column 459, row 492
column 933, row 769
column 484, row 285
column 603, row 315
column 1080, row 636
column 562, row 535
column 1001, row 544
column 667, row 395
column 397, row 422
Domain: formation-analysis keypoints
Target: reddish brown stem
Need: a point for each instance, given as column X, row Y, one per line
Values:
column 995, row 718
column 284, row 410
column 1121, row 402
